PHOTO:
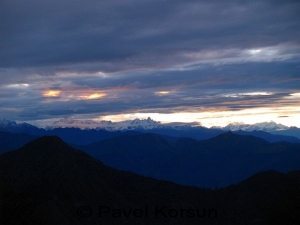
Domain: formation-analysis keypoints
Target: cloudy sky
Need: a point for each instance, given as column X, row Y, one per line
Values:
column 213, row 62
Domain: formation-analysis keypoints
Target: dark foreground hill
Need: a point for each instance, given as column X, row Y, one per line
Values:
column 48, row 182
column 218, row 162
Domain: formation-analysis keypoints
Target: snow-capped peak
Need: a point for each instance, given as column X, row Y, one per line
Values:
column 141, row 122
column 107, row 125
column 15, row 127
column 66, row 120
column 264, row 126
column 5, row 123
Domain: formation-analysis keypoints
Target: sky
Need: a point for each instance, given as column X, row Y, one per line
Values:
column 211, row 62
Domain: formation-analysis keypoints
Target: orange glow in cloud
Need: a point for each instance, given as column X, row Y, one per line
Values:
column 162, row 92
column 93, row 96
column 51, row 93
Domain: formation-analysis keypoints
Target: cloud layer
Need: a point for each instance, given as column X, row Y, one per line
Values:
column 99, row 58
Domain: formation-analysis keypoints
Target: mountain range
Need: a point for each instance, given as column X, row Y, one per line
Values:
column 172, row 158
column 220, row 161
column 48, row 182
column 146, row 124
column 265, row 126
column 270, row 127
column 79, row 136
column 173, row 154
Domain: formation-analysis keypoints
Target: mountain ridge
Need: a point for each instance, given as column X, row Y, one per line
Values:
column 86, row 136
column 51, row 192
column 219, row 161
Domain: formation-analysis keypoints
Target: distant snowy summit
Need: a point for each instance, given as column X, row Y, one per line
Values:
column 68, row 122
column 265, row 126
column 5, row 123
column 12, row 124
column 135, row 124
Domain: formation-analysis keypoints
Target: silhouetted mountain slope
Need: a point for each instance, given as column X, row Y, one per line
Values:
column 47, row 182
column 134, row 153
column 268, row 186
column 292, row 131
column 202, row 133
column 198, row 133
column 83, row 137
column 229, row 143
column 219, row 161
column 11, row 141
column 230, row 158
column 269, row 137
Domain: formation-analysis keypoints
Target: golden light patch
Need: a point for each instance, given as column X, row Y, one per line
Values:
column 51, row 93
column 162, row 92
column 93, row 96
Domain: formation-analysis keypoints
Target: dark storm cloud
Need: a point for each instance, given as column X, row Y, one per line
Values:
column 62, row 33
column 206, row 54
column 242, row 77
